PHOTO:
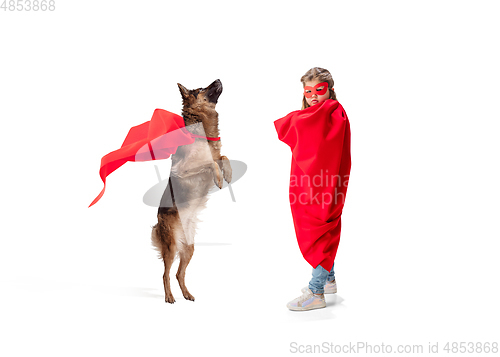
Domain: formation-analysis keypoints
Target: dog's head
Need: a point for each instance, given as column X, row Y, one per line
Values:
column 201, row 98
column 199, row 104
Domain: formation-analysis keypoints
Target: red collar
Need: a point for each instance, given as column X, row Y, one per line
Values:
column 205, row 137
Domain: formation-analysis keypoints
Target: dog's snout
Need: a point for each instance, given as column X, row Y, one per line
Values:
column 216, row 85
column 214, row 90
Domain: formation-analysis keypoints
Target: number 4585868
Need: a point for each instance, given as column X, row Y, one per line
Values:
column 28, row 5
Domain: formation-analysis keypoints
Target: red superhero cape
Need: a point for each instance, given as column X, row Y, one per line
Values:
column 153, row 140
column 320, row 140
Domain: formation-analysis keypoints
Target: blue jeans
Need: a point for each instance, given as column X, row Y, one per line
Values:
column 319, row 278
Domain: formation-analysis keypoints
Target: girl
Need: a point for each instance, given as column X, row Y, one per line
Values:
column 319, row 137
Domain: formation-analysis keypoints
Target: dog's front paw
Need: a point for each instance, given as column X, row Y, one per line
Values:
column 170, row 299
column 217, row 175
column 188, row 296
column 228, row 173
column 226, row 169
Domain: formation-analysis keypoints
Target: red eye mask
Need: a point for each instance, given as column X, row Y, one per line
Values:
column 309, row 91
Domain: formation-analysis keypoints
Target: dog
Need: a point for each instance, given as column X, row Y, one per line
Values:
column 196, row 168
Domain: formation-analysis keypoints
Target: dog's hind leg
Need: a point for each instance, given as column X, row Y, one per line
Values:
column 185, row 253
column 163, row 236
column 168, row 259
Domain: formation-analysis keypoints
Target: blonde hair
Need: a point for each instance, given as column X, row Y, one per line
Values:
column 322, row 75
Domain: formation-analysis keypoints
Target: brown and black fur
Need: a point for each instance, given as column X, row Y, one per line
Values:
column 195, row 170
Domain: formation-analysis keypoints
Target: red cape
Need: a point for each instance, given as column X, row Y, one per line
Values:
column 320, row 140
column 153, row 140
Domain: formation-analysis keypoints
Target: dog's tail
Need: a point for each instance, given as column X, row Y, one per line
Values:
column 155, row 240
column 162, row 237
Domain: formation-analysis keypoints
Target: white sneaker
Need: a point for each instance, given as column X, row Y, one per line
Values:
column 330, row 287
column 308, row 301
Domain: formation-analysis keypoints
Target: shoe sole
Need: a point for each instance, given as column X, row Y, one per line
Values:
column 305, row 308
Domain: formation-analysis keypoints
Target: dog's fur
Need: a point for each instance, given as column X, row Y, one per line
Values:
column 195, row 169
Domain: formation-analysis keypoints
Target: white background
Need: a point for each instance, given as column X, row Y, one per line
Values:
column 418, row 259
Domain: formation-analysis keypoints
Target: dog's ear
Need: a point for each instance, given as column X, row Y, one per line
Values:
column 183, row 90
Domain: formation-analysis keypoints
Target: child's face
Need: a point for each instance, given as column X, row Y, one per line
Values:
column 316, row 98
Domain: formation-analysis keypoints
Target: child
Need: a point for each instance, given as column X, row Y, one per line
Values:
column 319, row 137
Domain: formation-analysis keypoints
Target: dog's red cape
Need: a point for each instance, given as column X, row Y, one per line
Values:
column 153, row 140
column 320, row 140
